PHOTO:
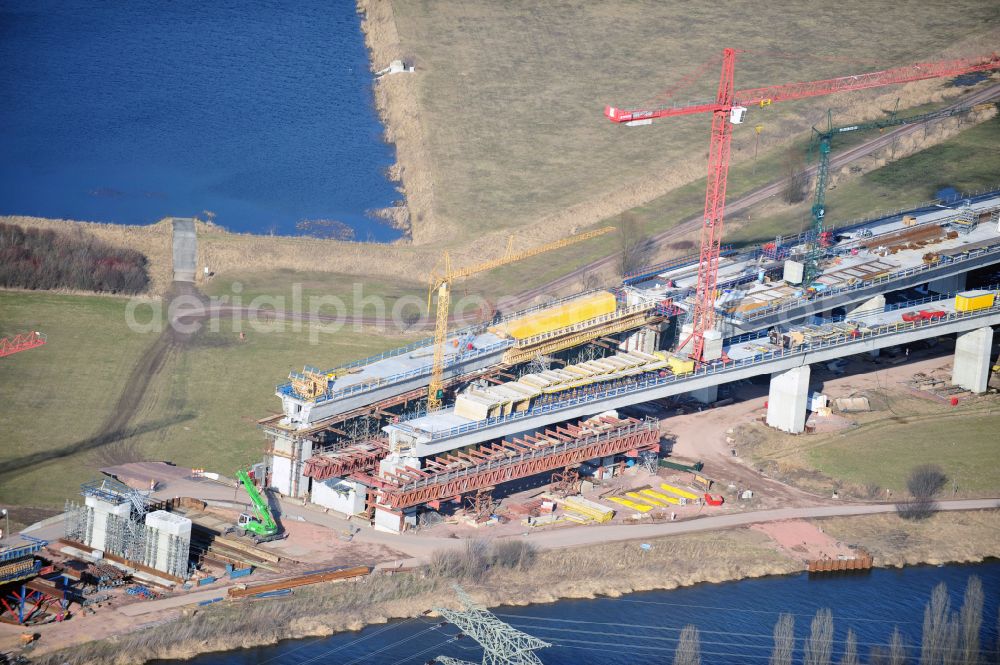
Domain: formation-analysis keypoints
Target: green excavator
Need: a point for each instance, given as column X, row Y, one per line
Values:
column 260, row 525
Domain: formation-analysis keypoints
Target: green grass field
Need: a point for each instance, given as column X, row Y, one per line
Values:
column 883, row 454
column 57, row 395
column 886, row 445
column 199, row 410
column 224, row 385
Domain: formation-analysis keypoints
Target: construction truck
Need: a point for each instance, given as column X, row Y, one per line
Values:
column 260, row 525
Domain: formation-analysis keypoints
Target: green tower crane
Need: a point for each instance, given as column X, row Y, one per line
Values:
column 821, row 143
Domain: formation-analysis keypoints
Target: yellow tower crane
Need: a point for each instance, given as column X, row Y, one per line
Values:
column 442, row 284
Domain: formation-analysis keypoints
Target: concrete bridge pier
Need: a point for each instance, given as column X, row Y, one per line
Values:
column 706, row 395
column 787, row 400
column 971, row 368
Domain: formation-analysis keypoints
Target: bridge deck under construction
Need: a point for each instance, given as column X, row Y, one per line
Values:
column 886, row 254
column 453, row 474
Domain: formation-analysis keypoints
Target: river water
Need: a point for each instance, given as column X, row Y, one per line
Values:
column 735, row 619
column 259, row 111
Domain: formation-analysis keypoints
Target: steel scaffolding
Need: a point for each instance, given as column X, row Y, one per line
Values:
column 177, row 557
column 125, row 536
column 78, row 522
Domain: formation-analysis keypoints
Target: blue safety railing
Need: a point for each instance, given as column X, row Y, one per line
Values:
column 716, row 367
column 745, row 337
column 937, row 297
column 899, row 274
column 392, row 353
column 366, row 386
column 428, row 342
column 107, row 489
column 21, row 551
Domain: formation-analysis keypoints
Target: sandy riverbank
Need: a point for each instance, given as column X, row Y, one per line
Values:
column 586, row 572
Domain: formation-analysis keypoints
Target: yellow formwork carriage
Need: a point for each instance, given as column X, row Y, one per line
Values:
column 680, row 365
column 970, row 301
column 560, row 316
column 593, row 511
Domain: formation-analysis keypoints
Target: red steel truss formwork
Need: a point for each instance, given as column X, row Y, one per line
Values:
column 28, row 601
column 352, row 459
column 454, row 474
column 23, row 342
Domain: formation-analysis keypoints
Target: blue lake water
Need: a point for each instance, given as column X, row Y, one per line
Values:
column 735, row 620
column 126, row 112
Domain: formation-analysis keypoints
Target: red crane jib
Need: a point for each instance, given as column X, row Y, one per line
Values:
column 703, row 318
column 789, row 91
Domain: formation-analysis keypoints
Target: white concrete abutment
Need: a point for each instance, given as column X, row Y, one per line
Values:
column 787, row 400
column 971, row 368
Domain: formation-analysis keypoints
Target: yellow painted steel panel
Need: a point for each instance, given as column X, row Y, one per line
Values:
column 631, row 504
column 662, row 497
column 560, row 316
column 639, row 497
column 680, row 365
column 679, row 492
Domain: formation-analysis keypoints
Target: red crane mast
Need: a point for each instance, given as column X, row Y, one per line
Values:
column 728, row 109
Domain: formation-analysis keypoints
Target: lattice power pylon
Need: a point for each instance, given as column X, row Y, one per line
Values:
column 502, row 643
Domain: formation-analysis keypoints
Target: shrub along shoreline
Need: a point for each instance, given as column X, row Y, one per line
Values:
column 44, row 259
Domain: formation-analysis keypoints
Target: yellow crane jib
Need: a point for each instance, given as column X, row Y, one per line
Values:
column 442, row 284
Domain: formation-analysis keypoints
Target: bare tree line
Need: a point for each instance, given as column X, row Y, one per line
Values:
column 949, row 637
column 46, row 259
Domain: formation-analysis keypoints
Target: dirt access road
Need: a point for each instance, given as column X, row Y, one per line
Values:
column 116, row 430
column 592, row 536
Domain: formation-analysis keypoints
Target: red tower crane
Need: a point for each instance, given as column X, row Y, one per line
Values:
column 729, row 109
column 23, row 342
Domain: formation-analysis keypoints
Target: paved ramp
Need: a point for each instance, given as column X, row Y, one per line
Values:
column 185, row 250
